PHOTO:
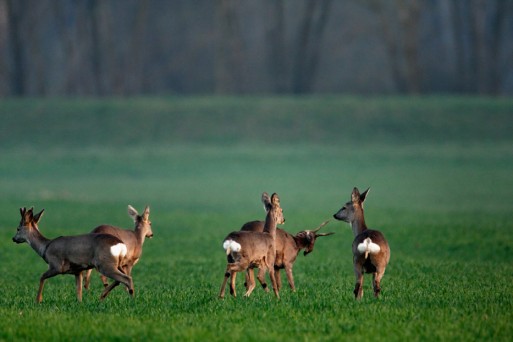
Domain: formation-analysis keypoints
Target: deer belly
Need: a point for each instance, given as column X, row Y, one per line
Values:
column 257, row 263
column 74, row 268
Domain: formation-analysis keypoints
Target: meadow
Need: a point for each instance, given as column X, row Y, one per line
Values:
column 440, row 171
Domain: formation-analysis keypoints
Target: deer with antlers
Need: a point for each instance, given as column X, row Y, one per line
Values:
column 73, row 254
column 247, row 249
column 288, row 247
column 371, row 252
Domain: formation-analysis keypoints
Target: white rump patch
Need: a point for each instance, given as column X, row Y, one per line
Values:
column 367, row 246
column 118, row 250
column 231, row 246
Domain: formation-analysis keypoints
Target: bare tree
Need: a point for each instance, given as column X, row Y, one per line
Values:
column 16, row 54
column 229, row 73
column 92, row 47
column 4, row 70
column 399, row 22
column 488, row 19
column 95, row 51
column 276, row 51
column 134, row 80
column 308, row 47
column 409, row 18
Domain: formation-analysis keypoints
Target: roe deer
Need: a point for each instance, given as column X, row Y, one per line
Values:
column 73, row 254
column 288, row 247
column 133, row 239
column 247, row 250
column 370, row 248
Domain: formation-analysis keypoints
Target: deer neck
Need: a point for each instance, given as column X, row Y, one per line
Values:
column 300, row 243
column 270, row 225
column 140, row 234
column 358, row 225
column 38, row 242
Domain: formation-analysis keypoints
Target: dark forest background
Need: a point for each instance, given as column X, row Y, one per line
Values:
column 129, row 47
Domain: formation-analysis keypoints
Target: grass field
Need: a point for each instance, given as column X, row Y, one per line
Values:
column 441, row 176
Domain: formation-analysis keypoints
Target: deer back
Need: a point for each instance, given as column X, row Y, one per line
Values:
column 128, row 237
column 254, row 245
column 133, row 239
column 284, row 241
column 80, row 252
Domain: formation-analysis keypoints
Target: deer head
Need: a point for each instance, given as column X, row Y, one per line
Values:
column 142, row 222
column 27, row 224
column 272, row 206
column 307, row 238
column 347, row 212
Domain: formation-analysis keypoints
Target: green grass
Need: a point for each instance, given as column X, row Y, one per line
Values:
column 440, row 171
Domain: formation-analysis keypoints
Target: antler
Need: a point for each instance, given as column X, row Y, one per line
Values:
column 322, row 225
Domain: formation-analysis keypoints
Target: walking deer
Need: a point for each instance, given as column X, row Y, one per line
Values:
column 288, row 247
column 246, row 249
column 133, row 239
column 73, row 254
column 370, row 248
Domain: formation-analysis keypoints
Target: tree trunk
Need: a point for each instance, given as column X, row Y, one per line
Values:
column 17, row 74
column 229, row 61
column 276, row 53
column 308, row 47
column 409, row 17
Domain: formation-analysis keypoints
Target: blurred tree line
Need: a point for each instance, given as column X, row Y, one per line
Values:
column 133, row 47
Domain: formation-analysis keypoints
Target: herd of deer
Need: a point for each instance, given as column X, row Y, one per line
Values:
column 113, row 251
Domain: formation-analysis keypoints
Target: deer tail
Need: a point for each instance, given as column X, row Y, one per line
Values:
column 368, row 247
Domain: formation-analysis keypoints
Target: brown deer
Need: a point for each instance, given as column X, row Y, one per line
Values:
column 73, row 254
column 133, row 239
column 288, row 247
column 370, row 248
column 245, row 249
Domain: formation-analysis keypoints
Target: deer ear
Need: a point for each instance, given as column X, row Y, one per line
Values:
column 37, row 216
column 275, row 200
column 364, row 195
column 266, row 200
column 29, row 214
column 355, row 196
column 22, row 211
column 132, row 213
column 146, row 213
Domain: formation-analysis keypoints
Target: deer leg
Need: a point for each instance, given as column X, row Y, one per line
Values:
column 48, row 274
column 277, row 276
column 109, row 288
column 290, row 277
column 78, row 281
column 87, row 278
column 358, row 288
column 376, row 277
column 223, row 286
column 261, row 279
column 273, row 281
column 118, row 278
column 126, row 270
column 233, row 276
column 104, row 280
column 248, row 278
column 250, row 281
